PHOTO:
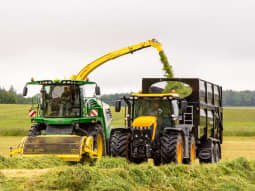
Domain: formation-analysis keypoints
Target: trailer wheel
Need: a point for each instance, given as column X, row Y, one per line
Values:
column 119, row 144
column 192, row 151
column 217, row 152
column 172, row 148
column 211, row 158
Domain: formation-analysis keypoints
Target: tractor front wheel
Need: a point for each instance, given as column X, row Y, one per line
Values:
column 119, row 144
column 172, row 148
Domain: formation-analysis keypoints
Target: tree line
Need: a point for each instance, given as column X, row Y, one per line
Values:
column 11, row 97
column 238, row 98
column 230, row 97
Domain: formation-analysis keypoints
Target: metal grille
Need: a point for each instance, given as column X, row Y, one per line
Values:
column 52, row 145
column 59, row 129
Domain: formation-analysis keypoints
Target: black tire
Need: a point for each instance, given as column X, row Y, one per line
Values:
column 34, row 130
column 172, row 148
column 217, row 152
column 157, row 161
column 98, row 131
column 119, row 144
column 192, row 154
column 138, row 160
column 212, row 155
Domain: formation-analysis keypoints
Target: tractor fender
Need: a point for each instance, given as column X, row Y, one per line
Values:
column 125, row 129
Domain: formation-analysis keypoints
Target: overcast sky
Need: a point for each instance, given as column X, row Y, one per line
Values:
column 212, row 40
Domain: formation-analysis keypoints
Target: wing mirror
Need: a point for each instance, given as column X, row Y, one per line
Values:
column 97, row 91
column 25, row 91
column 117, row 106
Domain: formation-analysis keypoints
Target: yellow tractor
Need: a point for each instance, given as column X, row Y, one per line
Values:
column 167, row 128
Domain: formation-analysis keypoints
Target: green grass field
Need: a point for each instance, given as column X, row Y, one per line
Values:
column 232, row 173
column 14, row 120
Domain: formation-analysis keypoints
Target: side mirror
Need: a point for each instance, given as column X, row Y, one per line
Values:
column 25, row 91
column 117, row 106
column 97, row 91
column 184, row 105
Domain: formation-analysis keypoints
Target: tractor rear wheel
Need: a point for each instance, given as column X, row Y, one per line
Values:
column 172, row 148
column 211, row 151
column 119, row 144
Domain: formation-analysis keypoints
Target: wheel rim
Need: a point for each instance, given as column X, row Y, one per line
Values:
column 216, row 153
column 192, row 153
column 179, row 153
column 99, row 145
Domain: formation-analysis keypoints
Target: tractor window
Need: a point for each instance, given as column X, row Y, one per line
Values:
column 153, row 107
column 61, row 101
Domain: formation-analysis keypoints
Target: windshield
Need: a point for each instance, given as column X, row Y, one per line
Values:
column 151, row 107
column 61, row 101
column 154, row 107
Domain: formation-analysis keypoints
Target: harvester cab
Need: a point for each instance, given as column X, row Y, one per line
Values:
column 168, row 128
column 67, row 123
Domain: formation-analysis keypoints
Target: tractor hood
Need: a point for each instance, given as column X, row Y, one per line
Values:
column 146, row 122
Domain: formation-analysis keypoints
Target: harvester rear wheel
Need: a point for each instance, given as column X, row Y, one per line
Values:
column 119, row 144
column 192, row 151
column 172, row 148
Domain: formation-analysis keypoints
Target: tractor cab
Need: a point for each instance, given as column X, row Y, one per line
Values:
column 162, row 106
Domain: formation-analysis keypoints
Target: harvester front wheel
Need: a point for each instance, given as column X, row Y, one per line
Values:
column 172, row 148
column 119, row 144
column 99, row 142
column 34, row 130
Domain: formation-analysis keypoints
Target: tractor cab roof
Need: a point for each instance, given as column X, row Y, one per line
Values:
column 60, row 82
column 175, row 95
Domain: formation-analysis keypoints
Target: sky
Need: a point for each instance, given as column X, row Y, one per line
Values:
column 212, row 40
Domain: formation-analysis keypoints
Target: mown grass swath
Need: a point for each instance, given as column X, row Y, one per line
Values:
column 117, row 174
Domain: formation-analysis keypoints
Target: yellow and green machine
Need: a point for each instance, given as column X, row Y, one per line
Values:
column 65, row 121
